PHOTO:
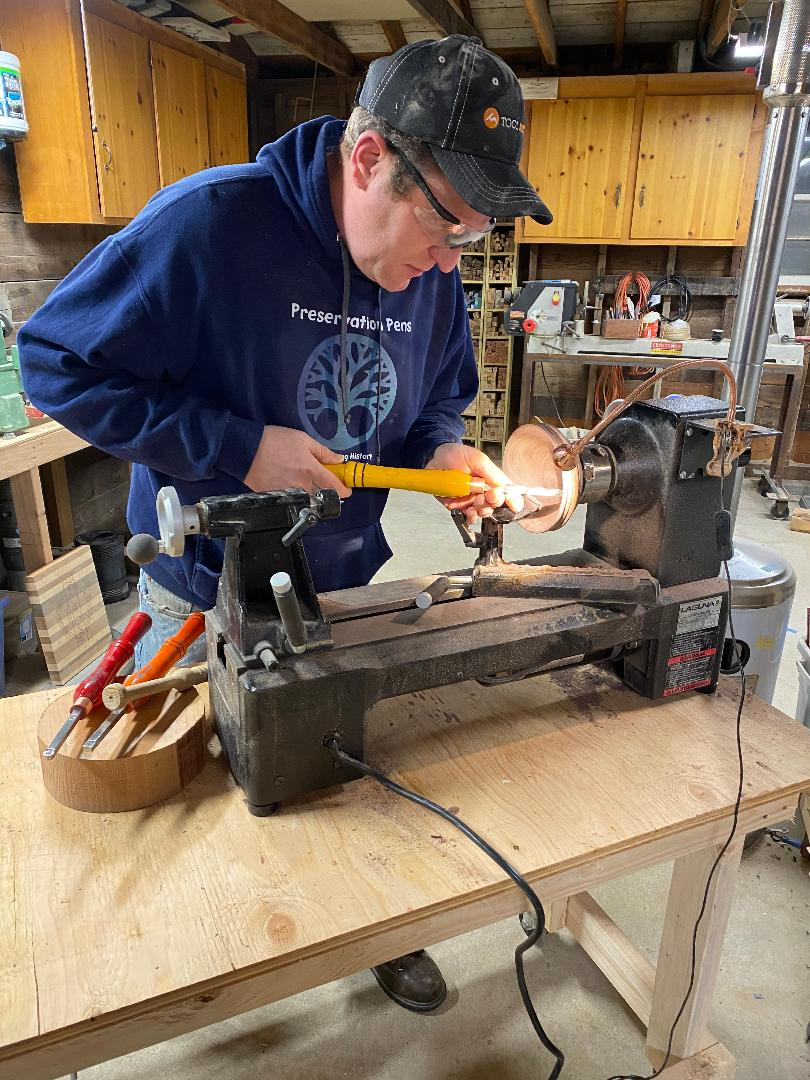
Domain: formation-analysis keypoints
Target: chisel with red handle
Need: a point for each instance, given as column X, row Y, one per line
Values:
column 87, row 695
column 171, row 652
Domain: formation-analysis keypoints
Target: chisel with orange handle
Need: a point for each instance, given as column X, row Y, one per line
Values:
column 171, row 652
column 87, row 695
column 444, row 483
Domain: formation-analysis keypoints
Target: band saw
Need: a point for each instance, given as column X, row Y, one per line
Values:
column 289, row 668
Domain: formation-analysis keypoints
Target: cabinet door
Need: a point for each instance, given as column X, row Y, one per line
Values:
column 691, row 165
column 579, row 156
column 178, row 81
column 227, row 118
column 123, row 116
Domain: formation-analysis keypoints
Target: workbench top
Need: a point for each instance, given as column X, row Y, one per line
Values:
column 131, row 928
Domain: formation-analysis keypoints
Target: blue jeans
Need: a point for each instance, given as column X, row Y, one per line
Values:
column 168, row 613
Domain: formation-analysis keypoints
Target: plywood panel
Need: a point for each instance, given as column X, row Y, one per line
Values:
column 123, row 115
column 691, row 166
column 181, row 112
column 216, row 912
column 69, row 613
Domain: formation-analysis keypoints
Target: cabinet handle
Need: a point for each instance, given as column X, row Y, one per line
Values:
column 108, row 162
column 642, row 195
column 617, row 197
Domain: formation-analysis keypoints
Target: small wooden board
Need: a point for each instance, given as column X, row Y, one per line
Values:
column 70, row 615
column 149, row 755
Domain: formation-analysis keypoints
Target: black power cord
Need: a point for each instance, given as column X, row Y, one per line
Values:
column 553, row 399
column 333, row 744
column 723, row 526
column 343, row 758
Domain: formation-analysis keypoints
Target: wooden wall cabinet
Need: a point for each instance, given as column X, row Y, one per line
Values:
column 123, row 117
column 118, row 106
column 579, row 159
column 657, row 159
column 226, row 112
column 181, row 111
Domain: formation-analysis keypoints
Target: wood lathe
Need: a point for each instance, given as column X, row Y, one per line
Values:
column 287, row 672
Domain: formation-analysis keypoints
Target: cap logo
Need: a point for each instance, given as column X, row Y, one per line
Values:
column 491, row 117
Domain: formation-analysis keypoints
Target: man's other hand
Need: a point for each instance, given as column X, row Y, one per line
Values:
column 287, row 458
column 469, row 460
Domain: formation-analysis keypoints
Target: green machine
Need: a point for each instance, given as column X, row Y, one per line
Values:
column 12, row 405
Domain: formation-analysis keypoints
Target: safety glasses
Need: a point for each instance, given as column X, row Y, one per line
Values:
column 435, row 220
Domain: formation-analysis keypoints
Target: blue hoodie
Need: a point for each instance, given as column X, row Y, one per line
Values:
column 218, row 310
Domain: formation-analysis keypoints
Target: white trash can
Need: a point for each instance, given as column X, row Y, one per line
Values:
column 762, row 586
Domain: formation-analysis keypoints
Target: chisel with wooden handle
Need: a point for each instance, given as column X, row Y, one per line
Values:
column 170, row 653
column 117, row 694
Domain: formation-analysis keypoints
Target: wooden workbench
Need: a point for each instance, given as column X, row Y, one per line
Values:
column 45, row 442
column 120, row 931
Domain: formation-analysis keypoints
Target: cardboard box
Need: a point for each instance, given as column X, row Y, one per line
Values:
column 19, row 630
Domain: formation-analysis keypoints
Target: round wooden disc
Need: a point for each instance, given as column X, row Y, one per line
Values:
column 149, row 755
column 527, row 460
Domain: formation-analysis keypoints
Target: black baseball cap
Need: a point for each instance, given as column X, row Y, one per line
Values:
column 466, row 104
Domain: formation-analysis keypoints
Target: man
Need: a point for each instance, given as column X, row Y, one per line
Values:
column 256, row 322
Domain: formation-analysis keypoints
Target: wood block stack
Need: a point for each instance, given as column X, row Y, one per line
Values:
column 471, row 269
column 496, row 352
column 501, row 241
column 492, row 429
column 501, row 269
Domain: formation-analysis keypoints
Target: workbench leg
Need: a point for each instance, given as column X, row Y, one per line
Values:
column 526, row 389
column 788, row 422
column 29, row 506
column 589, row 417
column 57, row 502
column 689, row 875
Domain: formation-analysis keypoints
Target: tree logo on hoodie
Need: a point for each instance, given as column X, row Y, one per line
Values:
column 369, row 394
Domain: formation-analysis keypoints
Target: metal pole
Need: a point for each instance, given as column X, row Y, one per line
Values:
column 766, row 242
column 785, row 75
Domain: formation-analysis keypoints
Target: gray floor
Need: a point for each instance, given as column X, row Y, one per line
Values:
column 348, row 1029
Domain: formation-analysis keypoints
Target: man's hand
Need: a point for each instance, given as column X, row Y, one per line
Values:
column 287, row 458
column 469, row 460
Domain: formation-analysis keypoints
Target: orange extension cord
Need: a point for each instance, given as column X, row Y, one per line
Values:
column 609, row 384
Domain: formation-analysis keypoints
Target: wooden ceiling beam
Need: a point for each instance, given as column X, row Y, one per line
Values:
column 618, row 33
column 718, row 26
column 394, row 34
column 466, row 11
column 444, row 17
column 706, row 8
column 543, row 28
column 273, row 18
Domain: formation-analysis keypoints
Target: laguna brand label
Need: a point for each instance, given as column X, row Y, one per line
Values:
column 693, row 652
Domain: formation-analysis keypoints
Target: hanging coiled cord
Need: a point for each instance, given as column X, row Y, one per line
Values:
column 686, row 303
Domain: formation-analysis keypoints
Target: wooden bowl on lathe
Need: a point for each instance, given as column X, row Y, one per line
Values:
column 152, row 753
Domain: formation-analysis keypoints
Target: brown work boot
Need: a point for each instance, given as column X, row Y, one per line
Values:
column 412, row 981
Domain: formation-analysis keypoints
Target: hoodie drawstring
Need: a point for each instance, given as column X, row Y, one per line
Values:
column 344, row 353
column 344, row 317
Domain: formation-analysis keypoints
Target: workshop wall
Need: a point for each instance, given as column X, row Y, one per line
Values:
column 33, row 260
column 569, row 383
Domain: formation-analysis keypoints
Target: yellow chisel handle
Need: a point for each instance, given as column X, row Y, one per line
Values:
column 446, row 483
